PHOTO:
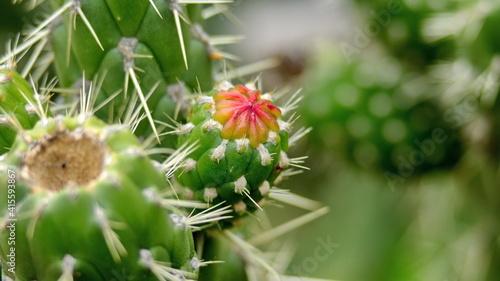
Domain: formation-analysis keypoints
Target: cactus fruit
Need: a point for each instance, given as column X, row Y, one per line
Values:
column 81, row 204
column 243, row 147
column 16, row 97
column 376, row 114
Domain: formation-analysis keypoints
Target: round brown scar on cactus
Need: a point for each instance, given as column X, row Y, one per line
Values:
column 65, row 159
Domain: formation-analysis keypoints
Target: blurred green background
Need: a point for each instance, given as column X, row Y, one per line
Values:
column 403, row 100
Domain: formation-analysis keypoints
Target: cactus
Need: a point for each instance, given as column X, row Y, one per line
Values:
column 16, row 97
column 90, row 201
column 400, row 26
column 243, row 145
column 469, row 81
column 377, row 115
column 122, row 44
column 73, row 180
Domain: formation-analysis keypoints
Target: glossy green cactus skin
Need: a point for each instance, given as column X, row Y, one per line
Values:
column 236, row 162
column 14, row 95
column 80, row 198
column 217, row 247
column 132, row 36
column 375, row 114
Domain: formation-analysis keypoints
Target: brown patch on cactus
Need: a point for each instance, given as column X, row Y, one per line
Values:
column 63, row 160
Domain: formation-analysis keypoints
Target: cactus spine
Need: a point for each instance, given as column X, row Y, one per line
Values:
column 243, row 145
column 16, row 99
column 73, row 180
column 90, row 202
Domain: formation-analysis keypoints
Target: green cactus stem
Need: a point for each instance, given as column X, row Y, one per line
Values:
column 16, row 107
column 242, row 148
column 82, row 200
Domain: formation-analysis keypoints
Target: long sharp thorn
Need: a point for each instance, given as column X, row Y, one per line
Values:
column 125, row 86
column 26, row 45
column 247, row 194
column 68, row 43
column 106, row 101
column 143, row 101
column 89, row 26
column 156, row 9
column 181, row 37
column 50, row 19
column 34, row 56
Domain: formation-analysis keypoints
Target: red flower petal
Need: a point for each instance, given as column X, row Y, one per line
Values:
column 243, row 113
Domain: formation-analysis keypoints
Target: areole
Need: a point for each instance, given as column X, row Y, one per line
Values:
column 65, row 159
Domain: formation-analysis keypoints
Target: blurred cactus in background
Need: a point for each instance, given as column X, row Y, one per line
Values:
column 377, row 114
column 399, row 25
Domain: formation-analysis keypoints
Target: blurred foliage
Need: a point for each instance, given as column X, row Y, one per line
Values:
column 399, row 26
column 434, row 66
column 376, row 114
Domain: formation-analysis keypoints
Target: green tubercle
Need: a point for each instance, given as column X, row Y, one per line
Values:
column 242, row 148
column 16, row 107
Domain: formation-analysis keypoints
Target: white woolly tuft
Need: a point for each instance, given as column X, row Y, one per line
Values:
column 224, row 86
column 265, row 156
column 189, row 164
column 240, row 185
column 211, row 124
column 272, row 138
column 242, row 144
column 220, row 151
column 265, row 188
column 284, row 126
column 185, row 129
column 210, row 193
column 240, row 207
